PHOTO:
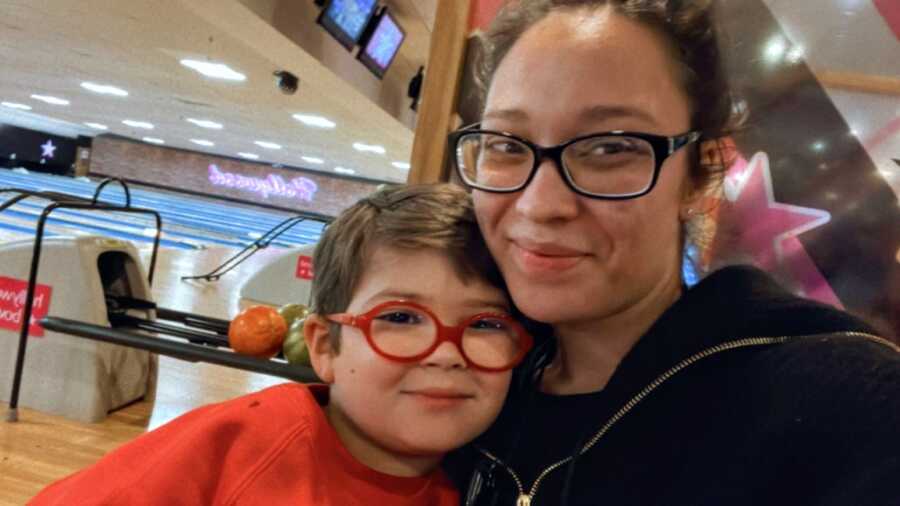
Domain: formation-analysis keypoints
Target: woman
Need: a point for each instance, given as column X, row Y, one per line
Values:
column 586, row 171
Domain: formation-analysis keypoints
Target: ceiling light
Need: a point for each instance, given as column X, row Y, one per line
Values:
column 342, row 170
column 315, row 121
column 13, row 105
column 818, row 146
column 205, row 123
column 138, row 124
column 249, row 156
column 104, row 89
column 312, row 159
column 267, row 145
column 202, row 142
column 214, row 70
column 51, row 100
column 795, row 54
column 401, row 165
column 370, row 148
column 97, row 126
column 154, row 140
column 774, row 50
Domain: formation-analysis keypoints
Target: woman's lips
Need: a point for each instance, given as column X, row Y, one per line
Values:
column 543, row 259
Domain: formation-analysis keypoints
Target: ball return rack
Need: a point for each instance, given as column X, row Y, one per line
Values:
column 178, row 334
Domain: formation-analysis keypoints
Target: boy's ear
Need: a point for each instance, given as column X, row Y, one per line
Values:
column 318, row 341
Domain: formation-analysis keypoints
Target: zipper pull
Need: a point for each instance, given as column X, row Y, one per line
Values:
column 523, row 500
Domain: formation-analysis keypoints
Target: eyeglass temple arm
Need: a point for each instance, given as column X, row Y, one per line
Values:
column 342, row 318
column 676, row 143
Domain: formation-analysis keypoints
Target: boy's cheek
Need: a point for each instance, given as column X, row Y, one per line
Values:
column 495, row 387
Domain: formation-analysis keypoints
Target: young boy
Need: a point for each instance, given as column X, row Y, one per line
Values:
column 412, row 337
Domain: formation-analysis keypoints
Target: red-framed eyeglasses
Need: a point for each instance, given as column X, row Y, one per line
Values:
column 405, row 331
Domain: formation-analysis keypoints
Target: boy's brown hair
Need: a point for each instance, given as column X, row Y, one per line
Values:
column 436, row 216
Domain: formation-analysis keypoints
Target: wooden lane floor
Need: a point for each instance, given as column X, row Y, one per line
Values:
column 41, row 448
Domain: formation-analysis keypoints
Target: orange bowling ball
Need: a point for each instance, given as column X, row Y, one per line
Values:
column 258, row 331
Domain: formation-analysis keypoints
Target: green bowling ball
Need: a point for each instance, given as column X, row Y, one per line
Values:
column 294, row 348
column 293, row 312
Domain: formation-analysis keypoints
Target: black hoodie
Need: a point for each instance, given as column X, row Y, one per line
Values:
column 740, row 394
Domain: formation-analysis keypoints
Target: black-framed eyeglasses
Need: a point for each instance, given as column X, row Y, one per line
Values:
column 614, row 165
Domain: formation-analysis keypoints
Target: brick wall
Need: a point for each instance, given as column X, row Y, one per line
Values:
column 254, row 183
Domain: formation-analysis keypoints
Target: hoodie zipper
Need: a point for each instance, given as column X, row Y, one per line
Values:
column 524, row 499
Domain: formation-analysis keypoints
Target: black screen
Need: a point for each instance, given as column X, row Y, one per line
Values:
column 21, row 147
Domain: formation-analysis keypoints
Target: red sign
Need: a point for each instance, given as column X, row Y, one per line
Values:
column 12, row 305
column 304, row 267
column 890, row 9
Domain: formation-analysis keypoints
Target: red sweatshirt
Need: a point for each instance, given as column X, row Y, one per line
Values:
column 269, row 448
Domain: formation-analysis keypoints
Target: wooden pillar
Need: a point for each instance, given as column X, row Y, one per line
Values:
column 440, row 91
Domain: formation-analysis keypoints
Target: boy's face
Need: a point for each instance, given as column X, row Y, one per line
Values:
column 424, row 408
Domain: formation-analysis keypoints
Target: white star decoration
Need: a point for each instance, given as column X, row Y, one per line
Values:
column 49, row 149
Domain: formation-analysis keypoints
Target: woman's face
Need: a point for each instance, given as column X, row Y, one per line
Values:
column 568, row 259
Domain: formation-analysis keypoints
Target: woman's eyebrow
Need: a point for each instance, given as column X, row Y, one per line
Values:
column 593, row 113
column 506, row 114
column 606, row 112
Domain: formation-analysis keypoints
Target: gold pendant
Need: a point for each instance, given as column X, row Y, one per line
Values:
column 523, row 500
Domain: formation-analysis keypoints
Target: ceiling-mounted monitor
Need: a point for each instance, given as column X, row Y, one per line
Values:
column 381, row 43
column 346, row 20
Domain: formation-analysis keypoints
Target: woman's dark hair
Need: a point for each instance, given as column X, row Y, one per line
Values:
column 686, row 26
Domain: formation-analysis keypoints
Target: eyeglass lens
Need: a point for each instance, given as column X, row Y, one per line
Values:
column 403, row 332
column 605, row 165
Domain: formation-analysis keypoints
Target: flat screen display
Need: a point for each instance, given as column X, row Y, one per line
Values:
column 346, row 20
column 380, row 48
column 21, row 147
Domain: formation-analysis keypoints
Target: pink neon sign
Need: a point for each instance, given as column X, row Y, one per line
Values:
column 299, row 187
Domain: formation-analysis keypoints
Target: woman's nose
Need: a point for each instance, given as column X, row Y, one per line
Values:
column 547, row 196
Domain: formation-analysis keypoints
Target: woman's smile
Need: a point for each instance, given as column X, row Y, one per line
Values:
column 545, row 258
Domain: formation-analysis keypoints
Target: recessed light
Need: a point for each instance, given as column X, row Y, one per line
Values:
column 267, row 145
column 97, row 126
column 342, row 170
column 214, row 70
column 104, row 89
column 203, row 142
column 368, row 148
column 205, row 123
column 154, row 140
column 795, row 54
column 314, row 121
column 774, row 49
column 51, row 100
column 249, row 156
column 312, row 159
column 818, row 146
column 13, row 105
column 138, row 124
column 401, row 165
